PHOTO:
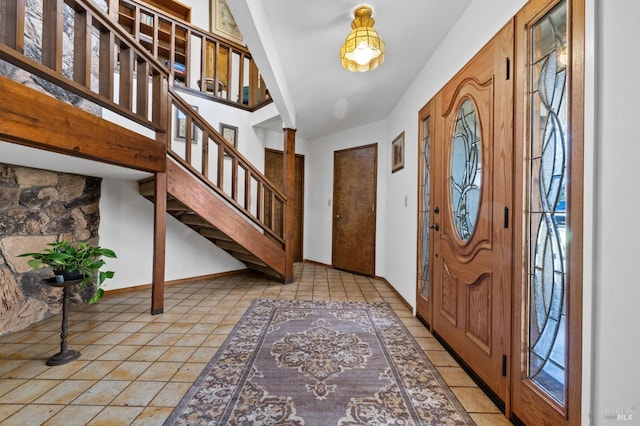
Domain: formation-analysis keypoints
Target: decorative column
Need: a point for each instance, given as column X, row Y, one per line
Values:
column 288, row 176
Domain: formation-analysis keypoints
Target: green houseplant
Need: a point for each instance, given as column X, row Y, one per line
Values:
column 75, row 261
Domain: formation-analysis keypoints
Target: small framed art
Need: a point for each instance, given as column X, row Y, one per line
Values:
column 397, row 153
column 230, row 133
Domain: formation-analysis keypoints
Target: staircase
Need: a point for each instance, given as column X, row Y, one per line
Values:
column 210, row 186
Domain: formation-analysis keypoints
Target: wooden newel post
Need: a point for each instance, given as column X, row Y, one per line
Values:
column 288, row 175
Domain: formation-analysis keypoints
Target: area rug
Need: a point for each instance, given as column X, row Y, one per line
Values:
column 290, row 362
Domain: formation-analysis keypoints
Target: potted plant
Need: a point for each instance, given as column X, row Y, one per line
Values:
column 71, row 261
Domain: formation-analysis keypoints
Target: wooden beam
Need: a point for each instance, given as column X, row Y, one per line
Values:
column 34, row 119
column 289, row 185
column 159, row 243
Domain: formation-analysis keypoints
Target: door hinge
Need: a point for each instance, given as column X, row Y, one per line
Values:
column 504, row 366
column 508, row 74
column 506, row 217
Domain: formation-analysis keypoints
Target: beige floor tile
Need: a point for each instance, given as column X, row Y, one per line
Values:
column 148, row 353
column 474, row 400
column 202, row 354
column 441, row 359
column 170, row 395
column 7, row 385
column 155, row 327
column 95, row 370
column 178, row 354
column 130, row 327
column 27, row 370
column 128, row 370
column 112, row 338
column 35, row 351
column 111, row 416
column 102, row 393
column 138, row 394
column 119, row 353
column 215, row 340
column 455, row 376
column 32, row 414
column 179, row 327
column 490, row 419
column 165, row 339
column 161, row 371
column 92, row 352
column 152, row 416
column 189, row 372
column 29, row 391
column 138, row 339
column 65, row 392
column 191, row 340
column 74, row 415
column 6, row 410
column 8, row 365
column 63, row 371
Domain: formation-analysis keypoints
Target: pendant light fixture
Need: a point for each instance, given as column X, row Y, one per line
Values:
column 363, row 50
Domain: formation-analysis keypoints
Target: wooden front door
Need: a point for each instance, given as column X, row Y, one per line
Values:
column 472, row 193
column 354, row 209
column 273, row 168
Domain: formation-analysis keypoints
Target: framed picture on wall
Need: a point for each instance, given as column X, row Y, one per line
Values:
column 397, row 153
column 181, row 126
column 222, row 21
column 230, row 133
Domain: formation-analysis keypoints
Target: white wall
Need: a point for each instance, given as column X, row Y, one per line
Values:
column 126, row 226
column 616, row 376
column 319, row 190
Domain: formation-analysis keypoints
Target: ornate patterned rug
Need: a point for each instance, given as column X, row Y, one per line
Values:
column 319, row 363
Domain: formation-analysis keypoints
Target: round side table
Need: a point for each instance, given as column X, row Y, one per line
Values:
column 65, row 355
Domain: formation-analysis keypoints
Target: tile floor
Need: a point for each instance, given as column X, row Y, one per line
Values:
column 136, row 367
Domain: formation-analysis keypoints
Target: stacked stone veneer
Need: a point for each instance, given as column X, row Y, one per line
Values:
column 38, row 207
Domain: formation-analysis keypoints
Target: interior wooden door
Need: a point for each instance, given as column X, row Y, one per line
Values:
column 273, row 168
column 547, row 329
column 473, row 196
column 354, row 209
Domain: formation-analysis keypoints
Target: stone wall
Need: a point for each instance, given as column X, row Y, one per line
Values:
column 38, row 207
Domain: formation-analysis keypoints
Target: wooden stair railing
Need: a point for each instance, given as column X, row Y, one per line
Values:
column 227, row 71
column 219, row 165
column 90, row 72
column 190, row 201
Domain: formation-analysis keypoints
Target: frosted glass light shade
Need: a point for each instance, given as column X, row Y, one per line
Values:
column 363, row 49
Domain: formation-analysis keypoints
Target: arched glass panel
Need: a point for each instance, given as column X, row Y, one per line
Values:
column 547, row 206
column 466, row 170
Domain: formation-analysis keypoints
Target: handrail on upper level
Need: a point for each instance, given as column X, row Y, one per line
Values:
column 203, row 151
column 86, row 66
column 196, row 59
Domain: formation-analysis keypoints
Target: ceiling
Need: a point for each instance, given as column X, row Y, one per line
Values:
column 296, row 44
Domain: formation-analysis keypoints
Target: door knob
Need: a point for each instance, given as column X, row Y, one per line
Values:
column 435, row 227
column 337, row 216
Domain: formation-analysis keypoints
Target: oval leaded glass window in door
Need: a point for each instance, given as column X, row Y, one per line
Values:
column 547, row 207
column 466, row 170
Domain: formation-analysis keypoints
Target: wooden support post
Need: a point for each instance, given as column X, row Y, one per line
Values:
column 159, row 243
column 289, row 183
